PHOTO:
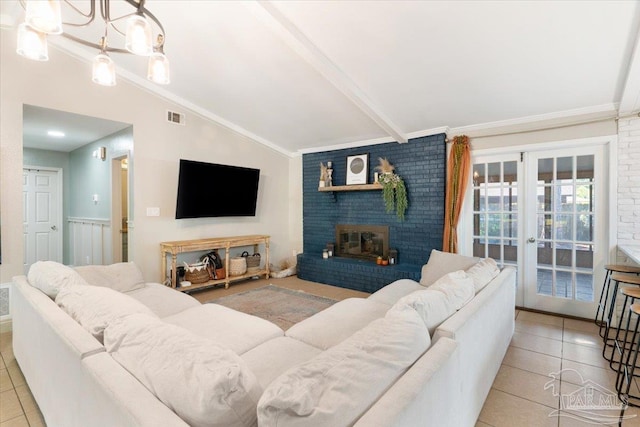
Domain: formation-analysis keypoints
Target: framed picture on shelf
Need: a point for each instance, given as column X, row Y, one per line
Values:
column 357, row 169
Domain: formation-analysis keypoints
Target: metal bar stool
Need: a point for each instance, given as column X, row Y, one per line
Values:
column 620, row 345
column 617, row 278
column 628, row 364
column 599, row 318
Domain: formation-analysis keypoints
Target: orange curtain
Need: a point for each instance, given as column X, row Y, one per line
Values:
column 457, row 178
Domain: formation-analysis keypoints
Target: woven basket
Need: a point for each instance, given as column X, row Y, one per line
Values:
column 196, row 273
column 237, row 266
column 253, row 261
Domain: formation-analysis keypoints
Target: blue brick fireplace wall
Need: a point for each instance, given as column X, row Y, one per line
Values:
column 422, row 164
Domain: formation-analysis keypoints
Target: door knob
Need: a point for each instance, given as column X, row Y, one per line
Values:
column 531, row 240
column 54, row 228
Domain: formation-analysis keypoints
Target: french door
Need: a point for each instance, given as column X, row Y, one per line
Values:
column 544, row 212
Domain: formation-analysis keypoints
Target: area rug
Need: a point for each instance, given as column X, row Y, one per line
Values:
column 284, row 307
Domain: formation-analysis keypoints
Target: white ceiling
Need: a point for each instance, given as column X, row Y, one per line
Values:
column 303, row 76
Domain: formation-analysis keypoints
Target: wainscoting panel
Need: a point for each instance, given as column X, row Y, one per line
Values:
column 90, row 241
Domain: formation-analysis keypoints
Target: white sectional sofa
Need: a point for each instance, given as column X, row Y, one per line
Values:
column 98, row 346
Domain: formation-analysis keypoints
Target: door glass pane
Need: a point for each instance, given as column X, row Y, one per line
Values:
column 564, row 170
column 494, row 193
column 564, row 198
column 479, row 225
column 584, row 287
column 545, row 198
column 584, row 198
column 564, row 227
column 545, row 223
column 510, row 225
column 545, row 171
column 511, row 251
column 510, row 172
column 479, row 248
column 584, row 256
column 585, row 167
column 564, row 284
column 494, row 225
column 564, row 254
column 493, row 170
column 584, row 228
column 545, row 282
column 545, row 254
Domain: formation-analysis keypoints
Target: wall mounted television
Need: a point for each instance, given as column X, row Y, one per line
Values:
column 214, row 190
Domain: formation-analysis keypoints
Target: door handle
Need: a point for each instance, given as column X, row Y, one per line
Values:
column 54, row 228
column 531, row 240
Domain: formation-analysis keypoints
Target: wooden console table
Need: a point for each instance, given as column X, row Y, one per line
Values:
column 226, row 243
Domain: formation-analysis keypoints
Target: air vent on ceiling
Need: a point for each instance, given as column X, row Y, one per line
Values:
column 175, row 118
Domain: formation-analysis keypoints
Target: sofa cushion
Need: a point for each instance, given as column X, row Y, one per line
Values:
column 441, row 263
column 392, row 292
column 483, row 272
column 204, row 382
column 336, row 387
column 458, row 287
column 270, row 359
column 50, row 276
column 121, row 276
column 94, row 308
column 433, row 306
column 333, row 324
column 163, row 300
column 236, row 330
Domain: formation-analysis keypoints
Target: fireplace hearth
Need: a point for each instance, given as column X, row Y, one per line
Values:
column 366, row 242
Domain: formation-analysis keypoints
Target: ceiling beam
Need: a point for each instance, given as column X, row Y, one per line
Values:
column 302, row 45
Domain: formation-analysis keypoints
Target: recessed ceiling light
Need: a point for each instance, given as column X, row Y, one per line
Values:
column 55, row 133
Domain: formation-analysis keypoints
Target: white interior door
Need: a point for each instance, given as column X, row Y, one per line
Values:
column 566, row 240
column 42, row 216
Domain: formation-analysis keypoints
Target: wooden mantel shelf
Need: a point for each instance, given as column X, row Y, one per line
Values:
column 356, row 187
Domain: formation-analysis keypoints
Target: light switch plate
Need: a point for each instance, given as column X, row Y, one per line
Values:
column 153, row 211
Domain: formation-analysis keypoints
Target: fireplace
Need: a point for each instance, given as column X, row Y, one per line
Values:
column 366, row 242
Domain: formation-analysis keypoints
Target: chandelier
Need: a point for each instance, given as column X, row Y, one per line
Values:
column 44, row 18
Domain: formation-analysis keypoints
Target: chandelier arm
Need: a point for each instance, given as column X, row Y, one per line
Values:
column 93, row 45
column 91, row 14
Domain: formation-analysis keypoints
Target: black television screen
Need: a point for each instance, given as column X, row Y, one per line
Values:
column 213, row 190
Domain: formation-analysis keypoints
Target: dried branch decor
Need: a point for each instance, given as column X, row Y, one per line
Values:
column 394, row 192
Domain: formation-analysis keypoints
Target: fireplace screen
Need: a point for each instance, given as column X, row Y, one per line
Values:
column 362, row 241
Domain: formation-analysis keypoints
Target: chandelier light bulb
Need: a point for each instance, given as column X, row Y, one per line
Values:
column 32, row 44
column 138, row 36
column 158, row 70
column 44, row 16
column 104, row 71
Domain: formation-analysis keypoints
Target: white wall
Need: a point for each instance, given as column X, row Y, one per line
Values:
column 628, row 184
column 64, row 83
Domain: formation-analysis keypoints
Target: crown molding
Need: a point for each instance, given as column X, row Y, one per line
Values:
column 539, row 122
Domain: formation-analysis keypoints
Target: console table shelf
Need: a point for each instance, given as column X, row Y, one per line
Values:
column 177, row 247
column 356, row 187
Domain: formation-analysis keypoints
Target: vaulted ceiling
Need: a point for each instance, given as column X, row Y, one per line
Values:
column 303, row 76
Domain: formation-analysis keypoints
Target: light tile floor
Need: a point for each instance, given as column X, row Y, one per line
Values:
column 542, row 345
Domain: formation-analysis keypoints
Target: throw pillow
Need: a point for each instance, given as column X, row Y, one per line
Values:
column 50, row 277
column 121, row 276
column 337, row 386
column 94, row 308
column 203, row 382
column 441, row 263
column 458, row 287
column 483, row 272
column 433, row 307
